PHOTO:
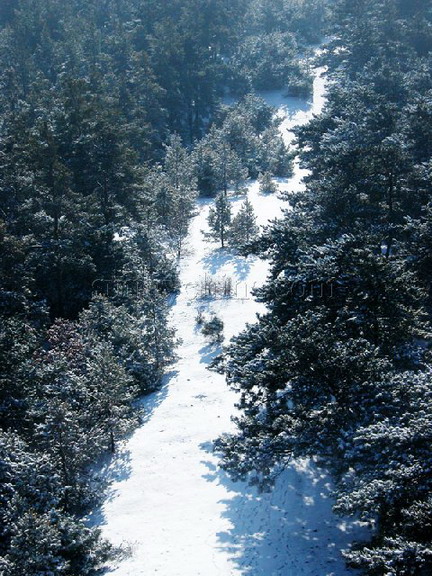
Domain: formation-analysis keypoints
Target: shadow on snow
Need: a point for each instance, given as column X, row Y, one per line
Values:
column 290, row 105
column 209, row 352
column 116, row 467
column 220, row 257
column 284, row 531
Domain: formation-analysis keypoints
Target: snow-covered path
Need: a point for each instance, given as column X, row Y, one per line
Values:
column 170, row 506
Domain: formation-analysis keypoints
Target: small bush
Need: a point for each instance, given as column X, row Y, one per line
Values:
column 213, row 329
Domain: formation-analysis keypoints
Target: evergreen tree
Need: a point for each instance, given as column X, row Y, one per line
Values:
column 388, row 482
column 213, row 328
column 269, row 60
column 339, row 367
column 112, row 393
column 244, row 142
column 227, row 164
column 38, row 536
column 219, row 219
column 180, row 174
column 95, row 194
column 243, row 229
column 267, row 184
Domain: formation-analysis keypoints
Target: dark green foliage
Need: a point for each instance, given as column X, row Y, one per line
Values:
column 420, row 246
column 339, row 367
column 213, row 328
column 243, row 142
column 267, row 56
column 110, row 123
column 80, row 402
column 219, row 219
column 269, row 61
column 307, row 18
column 218, row 165
column 172, row 192
column 138, row 336
column 37, row 535
column 18, row 341
column 389, row 477
column 267, row 184
column 243, row 230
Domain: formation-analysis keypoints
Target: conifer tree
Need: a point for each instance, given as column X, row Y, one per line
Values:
column 37, row 535
column 339, row 367
column 219, row 219
column 267, row 184
column 181, row 179
column 243, row 228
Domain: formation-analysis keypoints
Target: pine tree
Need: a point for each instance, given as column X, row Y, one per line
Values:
column 112, row 393
column 139, row 334
column 387, row 480
column 226, row 164
column 213, row 328
column 266, row 184
column 219, row 219
column 180, row 173
column 339, row 367
column 243, row 228
column 58, row 410
column 37, row 535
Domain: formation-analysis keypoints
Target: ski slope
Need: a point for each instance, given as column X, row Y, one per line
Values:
column 169, row 506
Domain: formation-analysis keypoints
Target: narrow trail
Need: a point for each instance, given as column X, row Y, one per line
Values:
column 169, row 505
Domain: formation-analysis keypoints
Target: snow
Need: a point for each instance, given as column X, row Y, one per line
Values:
column 169, row 506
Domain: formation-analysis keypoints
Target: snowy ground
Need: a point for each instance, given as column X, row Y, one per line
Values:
column 169, row 505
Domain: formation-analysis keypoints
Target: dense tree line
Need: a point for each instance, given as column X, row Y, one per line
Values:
column 339, row 368
column 110, row 125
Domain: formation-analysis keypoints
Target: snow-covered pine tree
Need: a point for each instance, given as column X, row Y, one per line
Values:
column 219, row 219
column 303, row 370
column 229, row 168
column 266, row 183
column 274, row 155
column 213, row 328
column 140, row 337
column 81, row 401
column 112, row 394
column 243, row 228
column 226, row 164
column 38, row 536
column 181, row 180
column 339, row 367
column 387, row 478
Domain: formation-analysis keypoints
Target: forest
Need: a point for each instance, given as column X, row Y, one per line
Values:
column 339, row 368
column 112, row 123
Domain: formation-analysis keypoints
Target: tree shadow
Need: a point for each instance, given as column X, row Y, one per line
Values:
column 288, row 530
column 220, row 257
column 290, row 105
column 149, row 403
column 115, row 468
column 203, row 201
column 209, row 352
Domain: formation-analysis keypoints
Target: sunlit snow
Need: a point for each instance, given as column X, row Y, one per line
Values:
column 170, row 507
